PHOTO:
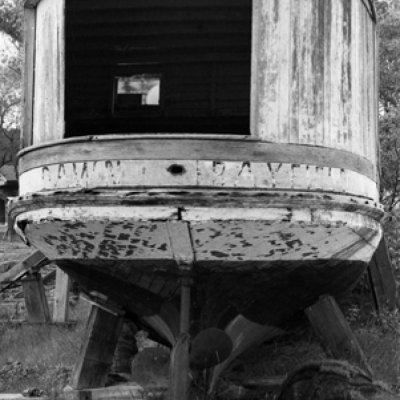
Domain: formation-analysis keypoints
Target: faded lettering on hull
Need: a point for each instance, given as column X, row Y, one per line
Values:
column 200, row 174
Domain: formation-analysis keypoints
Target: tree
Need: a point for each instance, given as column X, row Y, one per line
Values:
column 389, row 120
column 10, row 79
column 10, row 98
column 11, row 19
column 389, row 100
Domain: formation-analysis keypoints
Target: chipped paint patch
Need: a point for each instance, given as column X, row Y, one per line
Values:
column 245, row 241
column 303, row 215
column 103, row 240
column 84, row 213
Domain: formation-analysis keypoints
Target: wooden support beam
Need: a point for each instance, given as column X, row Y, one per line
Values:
column 120, row 392
column 382, row 280
column 180, row 360
column 33, row 262
column 125, row 350
column 10, row 234
column 182, row 248
column 60, row 305
column 98, row 347
column 335, row 333
column 35, row 299
column 181, row 244
column 19, row 396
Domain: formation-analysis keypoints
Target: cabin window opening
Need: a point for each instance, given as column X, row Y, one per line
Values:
column 158, row 67
column 136, row 92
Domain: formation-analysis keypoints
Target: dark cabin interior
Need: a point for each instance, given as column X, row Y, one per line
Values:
column 158, row 66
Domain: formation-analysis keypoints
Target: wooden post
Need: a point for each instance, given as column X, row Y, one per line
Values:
column 179, row 374
column 181, row 244
column 31, row 263
column 96, row 355
column 36, row 304
column 331, row 326
column 60, row 305
column 11, row 235
column 381, row 277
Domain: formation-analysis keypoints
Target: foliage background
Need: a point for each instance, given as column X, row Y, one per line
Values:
column 10, row 79
column 389, row 122
column 373, row 337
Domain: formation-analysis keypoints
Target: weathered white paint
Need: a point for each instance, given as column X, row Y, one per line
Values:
column 61, row 297
column 189, row 147
column 278, row 242
column 48, row 111
column 306, row 215
column 313, row 74
column 90, row 213
column 101, row 239
column 222, row 235
column 196, row 173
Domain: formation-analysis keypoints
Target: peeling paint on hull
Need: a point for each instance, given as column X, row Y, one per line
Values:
column 234, row 238
column 260, row 263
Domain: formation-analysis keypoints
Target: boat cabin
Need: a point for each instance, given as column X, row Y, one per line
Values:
column 209, row 166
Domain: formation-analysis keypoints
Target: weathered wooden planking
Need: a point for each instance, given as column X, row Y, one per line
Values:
column 180, row 377
column 331, row 326
column 48, row 103
column 61, row 299
column 383, row 283
column 116, row 240
column 180, row 373
column 29, row 69
column 192, row 197
column 236, row 234
column 120, row 392
column 370, row 6
column 35, row 299
column 189, row 147
column 181, row 244
column 98, row 347
column 201, row 174
column 329, row 74
column 19, row 269
column 244, row 240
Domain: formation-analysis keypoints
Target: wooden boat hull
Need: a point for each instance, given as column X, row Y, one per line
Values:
column 265, row 263
column 257, row 258
column 220, row 237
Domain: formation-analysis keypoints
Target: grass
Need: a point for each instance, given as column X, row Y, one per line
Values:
column 40, row 356
column 381, row 344
column 378, row 335
column 43, row 356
